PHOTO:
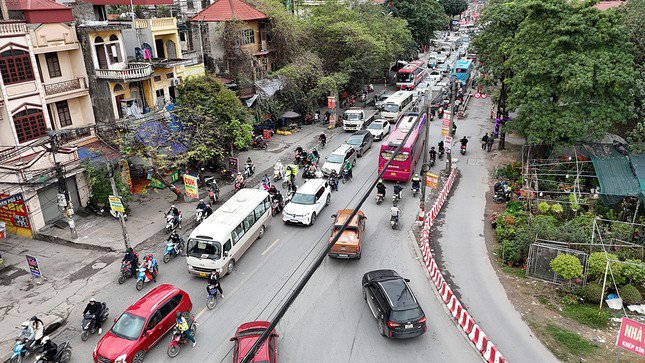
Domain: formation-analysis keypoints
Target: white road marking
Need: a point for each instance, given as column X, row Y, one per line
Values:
column 270, row 246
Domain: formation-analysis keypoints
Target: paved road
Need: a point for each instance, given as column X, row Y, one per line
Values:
column 463, row 249
column 329, row 321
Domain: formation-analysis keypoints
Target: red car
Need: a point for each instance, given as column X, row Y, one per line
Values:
column 247, row 334
column 142, row 325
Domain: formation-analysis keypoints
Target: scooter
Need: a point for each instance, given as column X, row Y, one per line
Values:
column 277, row 174
column 285, row 182
column 200, row 215
column 249, row 170
column 21, row 349
column 98, row 210
column 463, row 150
column 379, row 198
column 213, row 193
column 276, row 206
column 211, row 300
column 311, row 173
column 415, row 191
column 63, row 354
column 239, row 185
column 346, row 176
column 259, row 143
column 126, row 271
column 333, row 183
column 142, row 277
column 179, row 338
column 396, row 198
column 173, row 249
column 172, row 223
column 394, row 221
column 88, row 325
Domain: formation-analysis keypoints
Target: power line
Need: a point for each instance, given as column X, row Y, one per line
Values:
column 321, row 257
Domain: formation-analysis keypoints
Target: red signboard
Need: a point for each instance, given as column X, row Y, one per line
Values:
column 631, row 336
column 331, row 102
column 13, row 212
column 266, row 134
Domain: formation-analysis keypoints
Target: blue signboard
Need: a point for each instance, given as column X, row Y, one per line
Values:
column 33, row 266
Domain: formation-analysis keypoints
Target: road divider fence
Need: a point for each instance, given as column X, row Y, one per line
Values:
column 465, row 321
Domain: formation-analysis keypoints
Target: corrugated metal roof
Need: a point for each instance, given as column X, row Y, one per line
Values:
column 226, row 10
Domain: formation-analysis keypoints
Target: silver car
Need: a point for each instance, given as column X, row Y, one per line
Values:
column 361, row 141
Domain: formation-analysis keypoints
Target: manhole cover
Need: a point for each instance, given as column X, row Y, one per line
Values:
column 475, row 161
column 99, row 265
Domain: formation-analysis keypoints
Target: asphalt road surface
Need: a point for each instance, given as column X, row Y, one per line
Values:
column 329, row 322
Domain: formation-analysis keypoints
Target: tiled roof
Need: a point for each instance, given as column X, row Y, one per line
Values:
column 604, row 5
column 34, row 5
column 226, row 10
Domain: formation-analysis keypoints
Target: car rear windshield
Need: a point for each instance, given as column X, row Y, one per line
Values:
column 406, row 315
column 128, row 326
column 300, row 198
column 355, row 140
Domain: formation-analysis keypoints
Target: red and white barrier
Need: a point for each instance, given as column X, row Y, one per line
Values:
column 476, row 335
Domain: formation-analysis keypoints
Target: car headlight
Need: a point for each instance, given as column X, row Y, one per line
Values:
column 121, row 358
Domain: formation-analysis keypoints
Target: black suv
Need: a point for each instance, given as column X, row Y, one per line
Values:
column 361, row 141
column 393, row 304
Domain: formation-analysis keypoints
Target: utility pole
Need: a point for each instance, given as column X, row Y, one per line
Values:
column 63, row 194
column 424, row 166
column 453, row 85
column 115, row 192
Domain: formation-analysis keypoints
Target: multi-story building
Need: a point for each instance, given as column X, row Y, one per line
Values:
column 44, row 89
column 134, row 65
column 210, row 24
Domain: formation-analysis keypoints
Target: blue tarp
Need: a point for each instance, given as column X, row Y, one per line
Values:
column 156, row 135
column 614, row 172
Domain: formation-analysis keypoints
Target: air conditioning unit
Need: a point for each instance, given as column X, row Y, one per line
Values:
column 175, row 81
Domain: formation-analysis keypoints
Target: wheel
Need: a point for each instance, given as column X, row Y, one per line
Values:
column 139, row 285
column 359, row 255
column 395, row 202
column 122, row 279
column 285, row 185
column 16, row 359
column 138, row 358
column 193, row 329
column 261, row 233
column 328, row 199
column 173, row 350
column 66, row 356
column 211, row 302
column 273, row 212
column 379, row 201
column 231, row 266
column 84, row 335
column 344, row 180
column 313, row 219
column 381, row 327
column 364, row 294
column 166, row 258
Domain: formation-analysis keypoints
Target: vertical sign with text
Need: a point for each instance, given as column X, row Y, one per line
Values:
column 191, row 186
column 631, row 336
column 13, row 212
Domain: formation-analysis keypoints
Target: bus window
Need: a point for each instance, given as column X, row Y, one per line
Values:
column 227, row 246
column 248, row 222
column 267, row 203
column 237, row 233
column 386, row 154
column 401, row 157
column 259, row 211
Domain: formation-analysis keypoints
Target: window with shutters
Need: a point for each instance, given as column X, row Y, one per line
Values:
column 53, row 65
column 62, row 108
column 15, row 66
column 30, row 124
column 248, row 36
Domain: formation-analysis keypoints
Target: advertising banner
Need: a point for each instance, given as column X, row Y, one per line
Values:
column 447, row 142
column 13, row 212
column 331, row 102
column 32, row 262
column 432, row 181
column 266, row 134
column 631, row 336
column 191, row 186
column 233, row 164
column 116, row 204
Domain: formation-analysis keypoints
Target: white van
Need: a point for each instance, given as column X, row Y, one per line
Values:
column 220, row 241
column 397, row 104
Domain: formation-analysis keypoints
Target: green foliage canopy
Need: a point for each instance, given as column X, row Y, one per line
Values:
column 454, row 7
column 567, row 266
column 424, row 17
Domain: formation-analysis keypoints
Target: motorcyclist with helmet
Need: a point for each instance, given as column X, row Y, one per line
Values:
column 174, row 212
column 94, row 308
column 133, row 258
column 182, row 326
column 39, row 328
column 416, row 182
column 49, row 350
column 380, row 188
column 213, row 280
column 397, row 189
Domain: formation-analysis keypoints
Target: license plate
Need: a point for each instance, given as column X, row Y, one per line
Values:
column 202, row 274
column 409, row 326
column 343, row 255
column 392, row 173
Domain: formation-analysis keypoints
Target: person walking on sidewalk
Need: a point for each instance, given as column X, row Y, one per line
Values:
column 484, row 141
column 489, row 142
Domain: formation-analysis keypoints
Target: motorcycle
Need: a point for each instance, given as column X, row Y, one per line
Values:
column 126, row 271
column 213, row 193
column 277, row 174
column 346, row 176
column 172, row 223
column 396, row 198
column 379, row 198
column 173, row 249
column 211, row 300
column 142, row 277
column 21, row 349
column 259, row 143
column 200, row 215
column 63, row 354
column 502, row 192
column 415, row 191
column 432, row 160
column 333, row 183
column 228, row 174
column 463, row 150
column 394, row 221
column 98, row 210
column 312, row 173
column 249, row 170
column 88, row 324
column 239, row 185
column 441, row 152
column 285, row 182
column 276, row 206
column 179, row 338
column 301, row 158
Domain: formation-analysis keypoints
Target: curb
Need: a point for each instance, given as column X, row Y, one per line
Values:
column 69, row 243
column 465, row 321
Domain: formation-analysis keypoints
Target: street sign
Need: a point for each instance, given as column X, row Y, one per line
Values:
column 266, row 134
column 447, row 142
column 116, row 204
column 232, row 164
column 631, row 336
column 444, row 130
column 432, row 180
column 446, row 122
column 331, row 102
column 190, row 182
column 33, row 266
column 332, row 121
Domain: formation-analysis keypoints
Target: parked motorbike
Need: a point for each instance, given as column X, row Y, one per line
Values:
column 259, row 143
column 346, row 176
column 463, row 150
column 96, row 209
column 211, row 300
column 126, row 271
column 173, row 249
column 142, row 277
column 379, row 198
column 179, row 338
column 502, row 192
column 63, row 354
column 394, row 221
column 88, row 324
column 172, row 223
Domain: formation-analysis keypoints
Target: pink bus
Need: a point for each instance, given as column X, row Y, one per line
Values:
column 403, row 165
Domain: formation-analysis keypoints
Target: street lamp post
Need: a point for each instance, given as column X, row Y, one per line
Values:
column 453, row 85
column 425, row 167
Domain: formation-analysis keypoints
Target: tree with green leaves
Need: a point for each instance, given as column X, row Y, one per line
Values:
column 424, row 17
column 634, row 14
column 566, row 266
column 454, row 7
column 99, row 180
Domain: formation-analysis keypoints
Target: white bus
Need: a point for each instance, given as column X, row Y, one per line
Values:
column 220, row 241
column 397, row 104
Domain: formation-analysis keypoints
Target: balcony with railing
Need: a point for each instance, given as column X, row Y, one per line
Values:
column 65, row 87
column 133, row 72
column 157, row 25
column 12, row 28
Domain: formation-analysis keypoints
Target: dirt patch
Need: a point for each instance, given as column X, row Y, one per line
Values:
column 539, row 302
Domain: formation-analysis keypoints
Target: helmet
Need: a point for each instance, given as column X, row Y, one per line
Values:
column 432, row 148
column 25, row 324
column 92, row 300
column 416, row 175
column 150, row 256
column 380, row 181
column 172, row 206
column 201, row 201
column 46, row 338
column 248, row 159
column 178, row 314
column 33, row 318
column 313, row 149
